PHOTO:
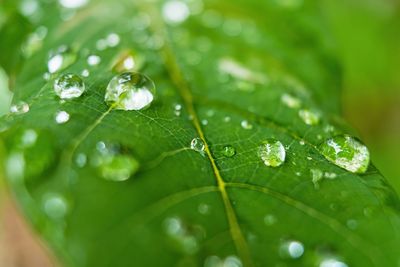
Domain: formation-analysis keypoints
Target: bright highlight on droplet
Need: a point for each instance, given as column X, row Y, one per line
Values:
column 19, row 108
column 197, row 145
column 61, row 59
column 309, row 117
column 272, row 153
column 73, row 3
column 130, row 91
column 346, row 152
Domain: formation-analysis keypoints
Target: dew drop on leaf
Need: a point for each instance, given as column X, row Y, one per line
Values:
column 272, row 153
column 19, row 108
column 330, row 262
column 93, row 60
column 112, row 165
column 69, row 86
column 291, row 249
column 228, row 151
column 130, row 91
column 269, row 219
column 309, row 117
column 197, row 145
column 175, row 11
column 62, row 117
column 61, row 59
column 290, row 101
column 55, row 206
column 73, row 3
column 230, row 261
column 346, row 152
column 246, row 125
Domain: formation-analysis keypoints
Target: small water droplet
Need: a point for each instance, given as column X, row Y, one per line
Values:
column 62, row 117
column 93, row 60
column 330, row 175
column 352, row 224
column 291, row 249
column 228, row 151
column 19, row 108
column 269, row 219
column 332, row 263
column 290, row 101
column 346, row 152
column 309, row 117
column 128, row 61
column 203, row 208
column 112, row 164
column 317, row 176
column 85, row 73
column 61, row 59
column 130, row 91
column 55, row 206
column 204, row 122
column 113, row 39
column 227, row 119
column 81, row 160
column 175, row 11
column 246, row 125
column 230, row 261
column 73, row 3
column 197, row 145
column 272, row 153
column 69, row 86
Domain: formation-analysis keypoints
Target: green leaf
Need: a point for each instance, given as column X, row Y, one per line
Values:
column 191, row 187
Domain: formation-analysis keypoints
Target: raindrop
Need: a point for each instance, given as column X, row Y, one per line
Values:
column 228, row 151
column 332, row 263
column 81, row 160
column 203, row 208
column 291, row 249
column 128, row 61
column 346, row 152
column 62, row 117
column 55, row 206
column 175, row 11
column 246, row 125
column 317, row 176
column 272, row 153
column 93, row 60
column 73, row 3
column 130, row 91
column 19, row 108
column 69, row 86
column 309, row 117
column 178, row 109
column 290, row 101
column 198, row 145
column 61, row 59
column 269, row 219
column 204, row 122
column 113, row 40
column 85, row 73
column 113, row 165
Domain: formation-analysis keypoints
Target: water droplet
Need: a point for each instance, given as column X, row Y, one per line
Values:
column 302, row 142
column 198, row 145
column 203, row 208
column 346, row 152
column 175, row 11
column 309, row 117
column 128, row 61
column 81, row 160
column 61, row 59
column 352, row 224
column 227, row 119
column 93, row 60
column 113, row 39
column 85, row 73
column 187, row 237
column 246, row 125
column 15, row 166
column 73, row 3
column 228, row 151
column 178, row 109
column 272, row 153
column 112, row 164
column 204, row 122
column 69, row 86
column 130, row 91
column 332, row 263
column 230, row 261
column 317, row 176
column 290, row 101
column 270, row 219
column 291, row 249
column 55, row 206
column 62, row 117
column 330, row 175
column 19, row 108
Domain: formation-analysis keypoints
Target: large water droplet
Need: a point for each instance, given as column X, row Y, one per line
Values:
column 19, row 108
column 346, row 152
column 272, row 153
column 291, row 249
column 112, row 164
column 69, row 86
column 309, row 117
column 228, row 151
column 197, row 145
column 61, row 59
column 130, row 91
